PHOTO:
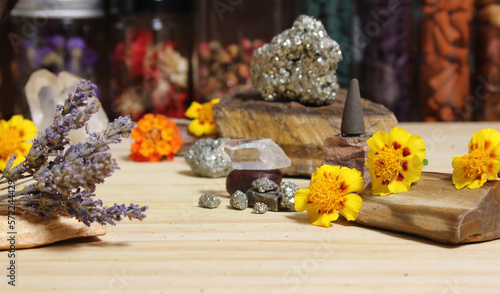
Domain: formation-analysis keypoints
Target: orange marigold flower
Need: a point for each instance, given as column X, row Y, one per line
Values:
column 481, row 163
column 15, row 139
column 156, row 138
column 203, row 122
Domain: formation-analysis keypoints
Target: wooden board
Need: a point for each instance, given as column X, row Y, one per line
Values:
column 182, row 248
column 32, row 232
column 435, row 209
column 299, row 130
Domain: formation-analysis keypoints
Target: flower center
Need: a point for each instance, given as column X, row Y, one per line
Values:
column 325, row 194
column 205, row 114
column 387, row 163
column 477, row 162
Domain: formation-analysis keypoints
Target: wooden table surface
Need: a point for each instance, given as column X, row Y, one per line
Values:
column 182, row 248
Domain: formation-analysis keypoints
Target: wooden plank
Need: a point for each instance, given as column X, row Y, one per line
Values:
column 435, row 209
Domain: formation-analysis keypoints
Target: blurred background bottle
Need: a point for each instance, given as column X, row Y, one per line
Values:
column 62, row 35
column 150, row 57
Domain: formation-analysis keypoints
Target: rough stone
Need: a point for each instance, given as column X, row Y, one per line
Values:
column 270, row 199
column 238, row 200
column 264, row 185
column 44, row 90
column 256, row 154
column 205, row 160
column 351, row 152
column 286, row 193
column 298, row 64
column 209, row 201
column 259, row 208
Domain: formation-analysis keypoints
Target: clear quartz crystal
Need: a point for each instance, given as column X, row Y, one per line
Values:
column 254, row 154
column 44, row 90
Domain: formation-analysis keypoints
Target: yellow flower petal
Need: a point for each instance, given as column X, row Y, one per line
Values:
column 325, row 219
column 416, row 147
column 352, row 203
column 301, row 199
column 398, row 135
column 198, row 129
column 378, row 187
column 353, row 180
column 477, row 182
column 378, row 141
column 194, row 110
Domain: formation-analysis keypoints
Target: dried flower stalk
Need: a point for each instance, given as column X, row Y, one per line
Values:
column 62, row 177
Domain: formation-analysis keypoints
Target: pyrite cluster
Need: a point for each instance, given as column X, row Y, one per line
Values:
column 298, row 64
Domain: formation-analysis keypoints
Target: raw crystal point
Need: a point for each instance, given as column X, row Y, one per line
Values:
column 353, row 123
column 205, row 160
column 44, row 90
column 238, row 200
column 259, row 208
column 264, row 185
column 209, row 201
column 298, row 64
column 286, row 192
column 256, row 154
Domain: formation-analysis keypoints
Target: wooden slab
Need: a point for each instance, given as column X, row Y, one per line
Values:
column 32, row 232
column 300, row 130
column 434, row 209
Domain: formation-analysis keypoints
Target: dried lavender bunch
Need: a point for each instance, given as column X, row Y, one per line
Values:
column 62, row 177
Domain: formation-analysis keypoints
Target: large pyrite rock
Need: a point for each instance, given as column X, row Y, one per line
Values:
column 298, row 129
column 298, row 64
column 435, row 209
column 205, row 160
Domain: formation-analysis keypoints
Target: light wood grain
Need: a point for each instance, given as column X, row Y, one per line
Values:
column 182, row 248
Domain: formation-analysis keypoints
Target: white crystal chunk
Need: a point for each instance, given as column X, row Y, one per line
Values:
column 44, row 90
column 257, row 154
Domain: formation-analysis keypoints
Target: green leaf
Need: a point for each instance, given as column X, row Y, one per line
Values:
column 426, row 162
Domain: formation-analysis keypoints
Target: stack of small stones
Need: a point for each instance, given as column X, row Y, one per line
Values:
column 263, row 196
column 266, row 195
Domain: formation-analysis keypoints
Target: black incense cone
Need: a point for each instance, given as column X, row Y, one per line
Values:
column 352, row 118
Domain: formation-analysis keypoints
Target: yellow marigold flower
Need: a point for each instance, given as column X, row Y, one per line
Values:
column 15, row 136
column 156, row 138
column 481, row 164
column 329, row 191
column 203, row 122
column 395, row 160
